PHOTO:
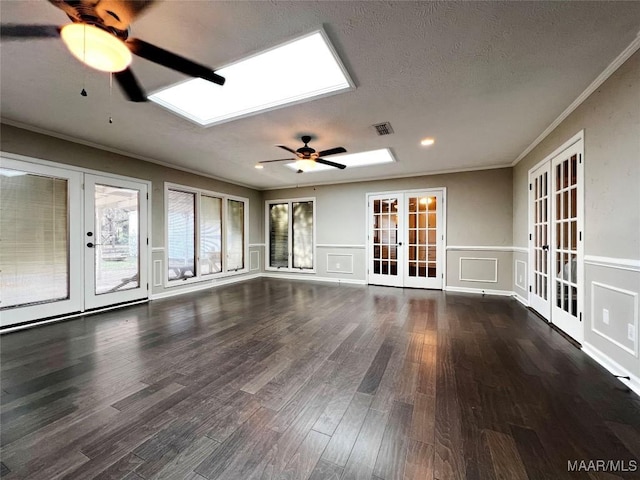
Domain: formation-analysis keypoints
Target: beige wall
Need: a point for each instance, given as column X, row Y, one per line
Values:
column 478, row 214
column 610, row 118
column 43, row 147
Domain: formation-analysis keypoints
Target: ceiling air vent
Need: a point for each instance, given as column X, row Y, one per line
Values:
column 383, row 128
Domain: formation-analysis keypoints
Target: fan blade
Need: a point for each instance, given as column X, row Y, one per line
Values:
column 288, row 149
column 16, row 32
column 331, row 164
column 130, row 86
column 332, row 151
column 171, row 60
column 279, row 160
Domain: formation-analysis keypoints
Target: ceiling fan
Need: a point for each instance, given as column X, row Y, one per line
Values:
column 307, row 157
column 99, row 37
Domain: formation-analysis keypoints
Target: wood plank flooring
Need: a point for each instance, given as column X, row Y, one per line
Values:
column 277, row 379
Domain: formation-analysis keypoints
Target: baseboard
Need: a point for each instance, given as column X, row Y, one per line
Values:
column 521, row 299
column 613, row 367
column 203, row 286
column 480, row 291
column 39, row 323
column 313, row 278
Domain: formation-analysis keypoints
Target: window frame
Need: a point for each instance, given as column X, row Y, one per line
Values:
column 267, row 235
column 225, row 197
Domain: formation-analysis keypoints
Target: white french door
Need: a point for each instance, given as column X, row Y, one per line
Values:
column 115, row 241
column 64, row 251
column 40, row 224
column 386, row 257
column 405, row 239
column 555, row 240
column 566, row 239
column 539, row 240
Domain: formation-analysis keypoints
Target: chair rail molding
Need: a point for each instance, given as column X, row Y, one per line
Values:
column 630, row 264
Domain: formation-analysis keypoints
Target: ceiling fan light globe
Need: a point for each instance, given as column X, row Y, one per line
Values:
column 95, row 47
column 305, row 164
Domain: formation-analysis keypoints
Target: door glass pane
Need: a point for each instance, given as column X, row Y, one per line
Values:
column 34, row 227
column 117, row 258
column 302, row 232
column 235, row 235
column 181, row 234
column 210, row 235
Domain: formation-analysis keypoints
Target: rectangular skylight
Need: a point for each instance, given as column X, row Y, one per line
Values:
column 293, row 72
column 352, row 160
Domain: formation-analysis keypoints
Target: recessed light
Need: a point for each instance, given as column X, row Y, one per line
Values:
column 427, row 141
column 259, row 167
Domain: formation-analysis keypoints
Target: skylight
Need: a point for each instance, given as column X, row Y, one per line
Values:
column 352, row 160
column 293, row 72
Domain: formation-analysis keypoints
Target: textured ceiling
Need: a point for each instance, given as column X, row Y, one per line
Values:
column 483, row 78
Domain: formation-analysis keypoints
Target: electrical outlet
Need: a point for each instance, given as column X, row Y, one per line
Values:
column 520, row 281
column 631, row 331
column 337, row 266
column 605, row 316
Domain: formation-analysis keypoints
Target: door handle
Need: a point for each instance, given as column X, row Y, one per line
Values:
column 545, row 247
column 91, row 245
column 399, row 244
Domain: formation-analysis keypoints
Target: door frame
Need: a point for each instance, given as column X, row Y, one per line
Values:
column 402, row 193
column 27, row 318
column 91, row 299
column 576, row 140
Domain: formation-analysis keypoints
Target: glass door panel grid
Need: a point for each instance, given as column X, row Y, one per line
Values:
column 541, row 233
column 422, row 224
column 385, row 236
column 566, row 232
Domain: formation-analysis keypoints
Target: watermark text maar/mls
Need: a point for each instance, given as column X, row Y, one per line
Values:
column 602, row 465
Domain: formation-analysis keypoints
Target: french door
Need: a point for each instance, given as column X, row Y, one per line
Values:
column 555, row 240
column 40, row 223
column 405, row 239
column 539, row 297
column 70, row 241
column 115, row 241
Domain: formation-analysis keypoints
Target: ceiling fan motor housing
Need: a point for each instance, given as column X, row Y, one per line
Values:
column 306, row 151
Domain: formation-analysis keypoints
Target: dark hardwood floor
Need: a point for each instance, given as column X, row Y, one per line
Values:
column 276, row 379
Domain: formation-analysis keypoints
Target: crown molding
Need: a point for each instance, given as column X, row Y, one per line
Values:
column 600, row 79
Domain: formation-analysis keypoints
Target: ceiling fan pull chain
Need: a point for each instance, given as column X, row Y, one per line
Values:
column 110, row 94
column 83, row 92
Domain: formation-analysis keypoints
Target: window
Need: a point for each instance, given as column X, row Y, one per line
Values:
column 290, row 234
column 205, row 234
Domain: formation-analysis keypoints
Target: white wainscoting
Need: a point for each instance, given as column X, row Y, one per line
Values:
column 340, row 263
column 631, row 301
column 490, row 271
column 629, row 264
column 520, row 272
column 157, row 273
column 254, row 260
